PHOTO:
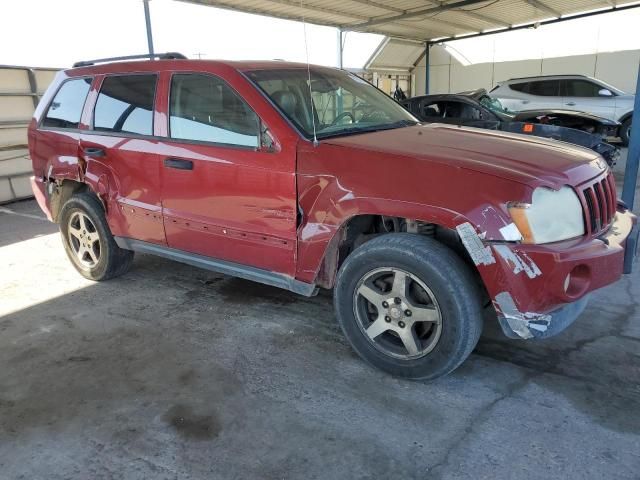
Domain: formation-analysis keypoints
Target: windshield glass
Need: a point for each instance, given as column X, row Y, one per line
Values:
column 493, row 104
column 342, row 102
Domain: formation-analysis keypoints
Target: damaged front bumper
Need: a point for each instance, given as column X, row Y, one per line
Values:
column 539, row 290
column 518, row 325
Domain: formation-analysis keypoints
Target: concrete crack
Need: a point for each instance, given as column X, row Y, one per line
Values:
column 434, row 472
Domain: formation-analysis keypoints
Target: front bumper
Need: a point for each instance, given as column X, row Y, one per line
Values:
column 539, row 290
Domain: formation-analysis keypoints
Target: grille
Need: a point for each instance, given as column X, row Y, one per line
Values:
column 599, row 203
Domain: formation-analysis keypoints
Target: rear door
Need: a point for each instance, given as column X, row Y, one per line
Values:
column 119, row 150
column 227, row 191
column 535, row 94
column 541, row 94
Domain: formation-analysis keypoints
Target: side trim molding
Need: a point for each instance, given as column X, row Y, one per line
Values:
column 221, row 266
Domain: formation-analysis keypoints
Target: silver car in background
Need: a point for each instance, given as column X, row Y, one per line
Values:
column 568, row 92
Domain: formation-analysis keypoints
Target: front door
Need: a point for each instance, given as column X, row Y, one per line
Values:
column 586, row 96
column 226, row 193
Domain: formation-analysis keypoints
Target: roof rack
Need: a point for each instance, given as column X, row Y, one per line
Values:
column 546, row 76
column 161, row 56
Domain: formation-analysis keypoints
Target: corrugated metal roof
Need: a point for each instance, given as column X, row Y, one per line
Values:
column 416, row 19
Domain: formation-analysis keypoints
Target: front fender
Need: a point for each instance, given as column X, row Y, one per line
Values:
column 327, row 208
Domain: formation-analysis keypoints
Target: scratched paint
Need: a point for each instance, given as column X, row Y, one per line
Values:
column 480, row 254
column 518, row 262
column 521, row 323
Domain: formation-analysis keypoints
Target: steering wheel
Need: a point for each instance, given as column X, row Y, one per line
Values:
column 341, row 116
column 374, row 115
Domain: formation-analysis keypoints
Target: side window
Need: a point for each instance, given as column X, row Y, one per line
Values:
column 469, row 112
column 520, row 87
column 66, row 108
column 451, row 109
column 431, row 110
column 205, row 108
column 125, row 104
column 545, row 88
column 581, row 88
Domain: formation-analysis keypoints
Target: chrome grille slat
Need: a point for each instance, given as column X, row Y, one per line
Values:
column 599, row 202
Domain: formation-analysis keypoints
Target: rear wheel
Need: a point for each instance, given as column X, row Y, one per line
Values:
column 88, row 241
column 409, row 306
column 625, row 132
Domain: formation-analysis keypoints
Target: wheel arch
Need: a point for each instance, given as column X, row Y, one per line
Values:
column 357, row 229
column 63, row 190
column 625, row 117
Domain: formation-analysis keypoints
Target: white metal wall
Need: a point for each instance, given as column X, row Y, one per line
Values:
column 20, row 91
column 447, row 75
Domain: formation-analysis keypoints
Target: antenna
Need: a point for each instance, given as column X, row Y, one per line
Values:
column 306, row 51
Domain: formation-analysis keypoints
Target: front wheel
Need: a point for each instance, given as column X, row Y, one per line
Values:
column 409, row 306
column 625, row 132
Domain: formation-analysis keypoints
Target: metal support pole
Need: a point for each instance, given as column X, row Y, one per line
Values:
column 633, row 154
column 340, row 47
column 147, row 19
column 340, row 104
column 427, row 49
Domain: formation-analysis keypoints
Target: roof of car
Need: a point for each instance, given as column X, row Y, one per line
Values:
column 546, row 77
column 180, row 64
column 474, row 94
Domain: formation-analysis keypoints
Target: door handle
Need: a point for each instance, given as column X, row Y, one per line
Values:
column 571, row 104
column 93, row 152
column 178, row 163
column 525, row 101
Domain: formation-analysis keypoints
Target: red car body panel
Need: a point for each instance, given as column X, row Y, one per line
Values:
column 242, row 205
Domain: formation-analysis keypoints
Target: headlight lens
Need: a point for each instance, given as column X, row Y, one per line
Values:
column 553, row 215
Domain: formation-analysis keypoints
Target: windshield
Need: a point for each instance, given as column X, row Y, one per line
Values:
column 342, row 103
column 493, row 104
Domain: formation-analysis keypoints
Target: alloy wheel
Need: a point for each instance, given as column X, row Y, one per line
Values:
column 397, row 313
column 84, row 239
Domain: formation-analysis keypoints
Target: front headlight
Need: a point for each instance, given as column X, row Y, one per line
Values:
column 553, row 215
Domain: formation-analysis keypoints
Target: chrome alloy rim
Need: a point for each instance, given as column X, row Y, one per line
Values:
column 84, row 239
column 397, row 313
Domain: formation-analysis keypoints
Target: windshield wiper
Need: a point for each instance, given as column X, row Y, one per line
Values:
column 372, row 128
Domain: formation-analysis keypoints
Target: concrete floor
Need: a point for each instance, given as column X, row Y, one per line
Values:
column 178, row 373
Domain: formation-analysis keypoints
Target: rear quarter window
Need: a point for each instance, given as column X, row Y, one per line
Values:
column 66, row 107
column 519, row 87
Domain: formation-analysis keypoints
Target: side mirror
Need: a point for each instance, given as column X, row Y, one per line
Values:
column 605, row 92
column 266, row 142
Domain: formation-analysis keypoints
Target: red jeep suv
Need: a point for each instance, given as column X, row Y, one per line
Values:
column 306, row 177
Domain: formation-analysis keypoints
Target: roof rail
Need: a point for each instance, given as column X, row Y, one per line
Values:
column 161, row 56
column 546, row 76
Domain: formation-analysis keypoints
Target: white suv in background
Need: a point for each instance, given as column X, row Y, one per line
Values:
column 568, row 92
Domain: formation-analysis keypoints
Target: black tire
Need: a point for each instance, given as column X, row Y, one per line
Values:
column 625, row 132
column 112, row 260
column 447, row 277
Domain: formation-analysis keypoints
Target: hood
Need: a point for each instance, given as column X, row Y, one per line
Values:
column 526, row 159
column 523, row 115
